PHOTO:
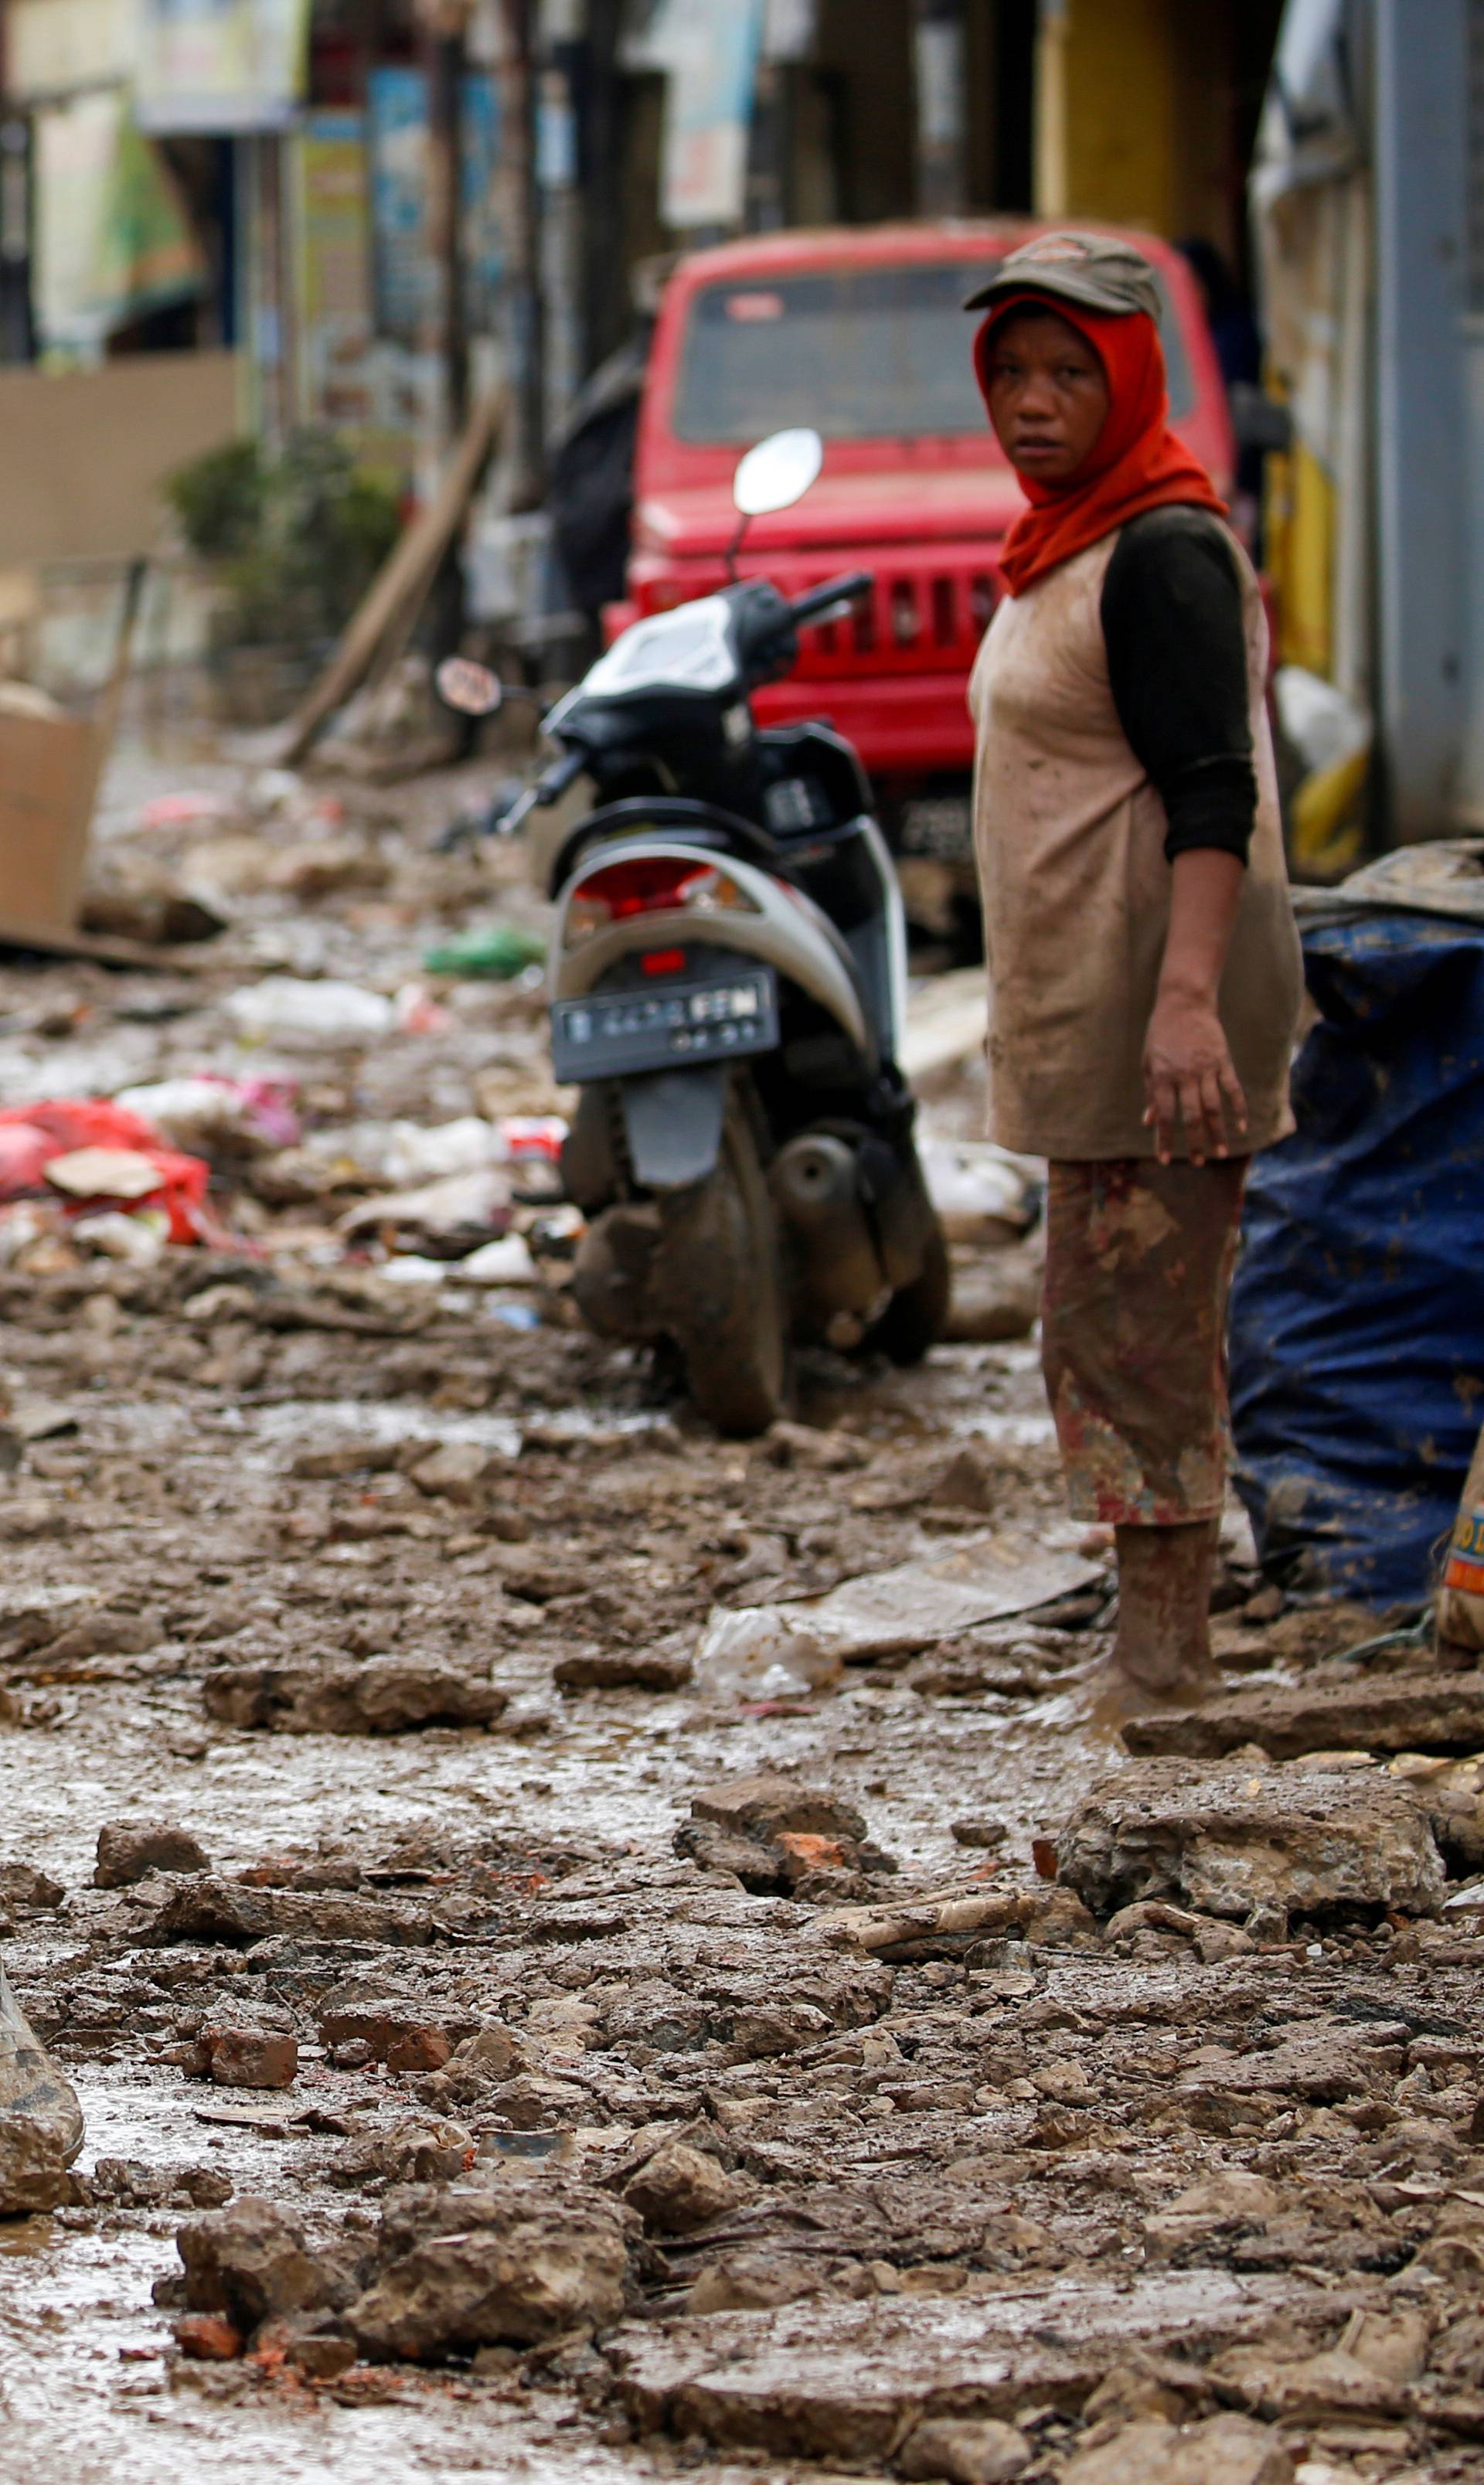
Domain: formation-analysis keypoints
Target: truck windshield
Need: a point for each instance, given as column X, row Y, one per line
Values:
column 861, row 353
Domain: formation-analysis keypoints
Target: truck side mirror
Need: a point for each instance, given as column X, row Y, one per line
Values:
column 1259, row 421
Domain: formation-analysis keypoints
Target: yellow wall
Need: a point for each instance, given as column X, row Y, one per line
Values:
column 1129, row 113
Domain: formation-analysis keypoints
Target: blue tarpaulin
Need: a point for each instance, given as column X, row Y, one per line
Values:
column 1358, row 1314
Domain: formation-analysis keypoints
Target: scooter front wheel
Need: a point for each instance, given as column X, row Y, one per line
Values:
column 720, row 1280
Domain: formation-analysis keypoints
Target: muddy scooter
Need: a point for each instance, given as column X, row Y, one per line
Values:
column 727, row 993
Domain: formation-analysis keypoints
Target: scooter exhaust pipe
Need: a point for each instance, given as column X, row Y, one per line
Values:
column 813, row 1182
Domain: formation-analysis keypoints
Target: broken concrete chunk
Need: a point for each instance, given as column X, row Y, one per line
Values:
column 1224, row 2451
column 826, row 1453
column 846, row 2381
column 624, row 1669
column 252, row 2261
column 679, row 2188
column 1389, row 1712
column 457, row 1472
column 21, row 1886
column 386, row 1695
column 973, row 1479
column 41, row 2121
column 509, row 2263
column 774, row 1836
column 248, row 2058
column 1242, row 1841
column 210, row 1910
column 127, row 1853
column 763, row 1806
column 964, row 2452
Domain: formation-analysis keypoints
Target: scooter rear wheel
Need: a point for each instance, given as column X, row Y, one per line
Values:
column 917, row 1315
column 721, row 1280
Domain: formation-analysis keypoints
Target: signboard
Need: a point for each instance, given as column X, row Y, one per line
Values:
column 333, row 265
column 712, row 57
column 113, row 237
column 405, row 281
column 220, row 66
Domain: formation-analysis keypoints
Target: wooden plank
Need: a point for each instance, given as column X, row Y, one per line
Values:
column 404, row 582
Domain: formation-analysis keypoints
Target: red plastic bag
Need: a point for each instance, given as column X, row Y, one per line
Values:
column 31, row 1136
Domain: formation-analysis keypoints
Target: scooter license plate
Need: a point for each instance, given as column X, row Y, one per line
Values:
column 611, row 1035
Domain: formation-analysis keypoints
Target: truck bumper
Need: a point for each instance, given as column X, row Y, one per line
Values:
column 910, row 724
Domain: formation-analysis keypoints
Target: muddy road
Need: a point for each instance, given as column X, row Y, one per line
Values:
column 514, row 2046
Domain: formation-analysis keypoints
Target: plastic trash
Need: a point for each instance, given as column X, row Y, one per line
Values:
column 506, row 1262
column 497, row 951
column 981, row 1192
column 80, row 1146
column 764, row 1652
column 912, row 1605
column 1358, row 1314
column 310, row 1011
column 215, row 1116
column 138, row 1240
column 41, row 2120
column 457, row 1213
column 407, row 1153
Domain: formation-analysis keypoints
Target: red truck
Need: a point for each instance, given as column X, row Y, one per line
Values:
column 862, row 333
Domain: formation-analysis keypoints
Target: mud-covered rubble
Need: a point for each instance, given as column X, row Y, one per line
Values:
column 497, row 2022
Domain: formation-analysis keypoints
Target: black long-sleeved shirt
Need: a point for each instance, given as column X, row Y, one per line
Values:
column 1173, row 627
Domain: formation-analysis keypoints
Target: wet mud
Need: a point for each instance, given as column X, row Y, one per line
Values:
column 509, row 2052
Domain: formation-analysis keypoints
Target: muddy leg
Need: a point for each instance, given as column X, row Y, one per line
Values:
column 1163, row 1649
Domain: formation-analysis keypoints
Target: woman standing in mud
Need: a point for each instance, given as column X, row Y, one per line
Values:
column 1144, row 966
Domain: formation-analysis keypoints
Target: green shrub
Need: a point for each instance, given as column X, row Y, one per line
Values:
column 296, row 537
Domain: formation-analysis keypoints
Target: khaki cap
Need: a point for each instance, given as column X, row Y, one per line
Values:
column 1090, row 270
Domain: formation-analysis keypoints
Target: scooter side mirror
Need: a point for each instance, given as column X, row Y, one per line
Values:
column 468, row 687
column 777, row 473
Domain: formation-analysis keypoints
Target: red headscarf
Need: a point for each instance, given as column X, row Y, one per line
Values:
column 1137, row 462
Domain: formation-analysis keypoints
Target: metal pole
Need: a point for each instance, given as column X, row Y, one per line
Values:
column 522, row 228
column 444, row 52
column 1421, row 99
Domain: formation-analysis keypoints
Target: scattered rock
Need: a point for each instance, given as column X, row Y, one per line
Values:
column 997, row 1296
column 1231, row 1842
column 761, row 1807
column 842, row 2382
column 1224, row 2451
column 210, row 1910
column 966, row 2453
column 679, row 2188
column 507, row 2263
column 22, row 1886
column 252, row 2261
column 973, row 1480
column 249, row 2057
column 827, row 1452
column 457, row 1472
column 1389, row 1712
column 209, row 2337
column 978, row 1833
column 774, row 1836
column 128, row 1852
column 624, row 1669
column 40, row 2123
column 386, row 1695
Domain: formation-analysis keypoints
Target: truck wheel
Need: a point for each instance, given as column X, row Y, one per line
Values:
column 720, row 1287
column 917, row 1315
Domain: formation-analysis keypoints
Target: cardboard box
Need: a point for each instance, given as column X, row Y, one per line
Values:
column 50, row 771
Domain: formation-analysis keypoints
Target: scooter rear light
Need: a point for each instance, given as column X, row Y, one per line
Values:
column 650, row 884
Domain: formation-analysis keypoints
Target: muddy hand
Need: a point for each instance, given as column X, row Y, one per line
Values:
column 1188, row 1078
